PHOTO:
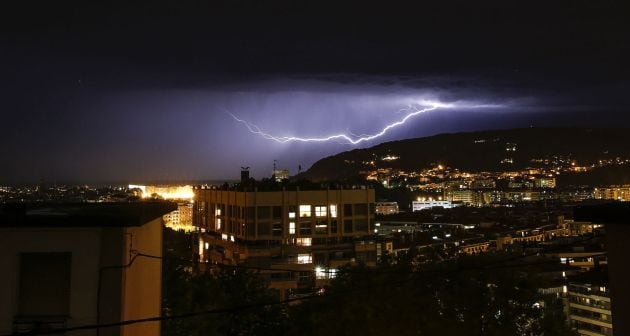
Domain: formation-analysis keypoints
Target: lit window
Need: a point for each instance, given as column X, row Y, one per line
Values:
column 291, row 214
column 305, row 211
column 333, row 210
column 291, row 227
column 303, row 241
column 323, row 273
column 320, row 211
column 217, row 212
column 207, row 246
column 320, row 273
column 218, row 223
column 304, row 259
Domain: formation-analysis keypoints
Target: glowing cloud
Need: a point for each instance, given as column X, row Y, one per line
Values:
column 344, row 138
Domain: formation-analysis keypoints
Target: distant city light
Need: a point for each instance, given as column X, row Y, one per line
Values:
column 184, row 192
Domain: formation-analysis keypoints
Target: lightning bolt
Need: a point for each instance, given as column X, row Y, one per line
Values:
column 342, row 138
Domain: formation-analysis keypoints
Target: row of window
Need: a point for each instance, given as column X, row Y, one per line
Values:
column 591, row 315
column 585, row 301
column 276, row 211
column 302, row 228
column 592, row 327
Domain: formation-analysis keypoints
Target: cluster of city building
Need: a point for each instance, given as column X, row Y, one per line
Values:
column 296, row 236
column 506, row 185
column 57, row 193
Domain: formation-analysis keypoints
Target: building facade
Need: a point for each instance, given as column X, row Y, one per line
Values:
column 73, row 265
column 421, row 205
column 180, row 219
column 387, row 208
column 618, row 193
column 298, row 232
column 589, row 306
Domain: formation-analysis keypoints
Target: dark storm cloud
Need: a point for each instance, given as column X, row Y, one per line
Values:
column 131, row 90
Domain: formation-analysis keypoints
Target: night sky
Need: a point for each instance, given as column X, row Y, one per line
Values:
column 140, row 92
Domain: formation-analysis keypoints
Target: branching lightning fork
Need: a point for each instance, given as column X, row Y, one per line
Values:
column 342, row 138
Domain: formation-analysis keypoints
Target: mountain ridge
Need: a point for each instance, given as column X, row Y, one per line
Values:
column 478, row 151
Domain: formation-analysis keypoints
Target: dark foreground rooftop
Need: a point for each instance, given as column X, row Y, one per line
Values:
column 609, row 213
column 82, row 214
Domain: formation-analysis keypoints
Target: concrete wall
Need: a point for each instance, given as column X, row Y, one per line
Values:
column 83, row 243
column 142, row 281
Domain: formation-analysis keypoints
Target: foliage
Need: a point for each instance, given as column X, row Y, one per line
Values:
column 462, row 297
column 489, row 294
column 191, row 289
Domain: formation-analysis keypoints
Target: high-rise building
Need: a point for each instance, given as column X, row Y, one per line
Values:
column 588, row 301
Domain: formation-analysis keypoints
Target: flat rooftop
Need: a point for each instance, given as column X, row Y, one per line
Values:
column 18, row 215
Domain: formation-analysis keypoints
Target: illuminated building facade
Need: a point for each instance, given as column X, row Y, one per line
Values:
column 545, row 182
column 280, row 174
column 428, row 204
column 466, row 196
column 386, row 208
column 589, row 305
column 180, row 219
column 168, row 192
column 310, row 233
column 619, row 193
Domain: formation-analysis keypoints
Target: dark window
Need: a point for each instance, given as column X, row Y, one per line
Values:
column 347, row 226
column 320, row 258
column 251, row 229
column 347, row 210
column 361, row 225
column 250, row 213
column 264, row 228
column 44, row 284
column 319, row 241
column 305, row 228
column 277, row 230
column 360, row 209
column 277, row 212
column 333, row 226
column 264, row 212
